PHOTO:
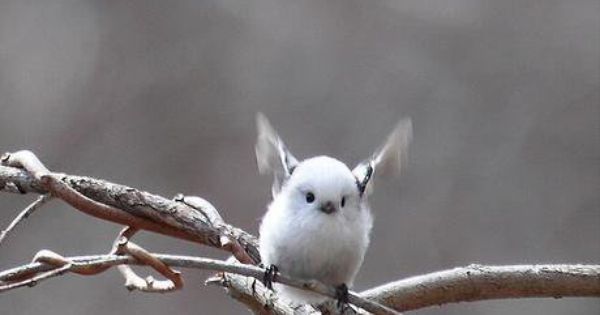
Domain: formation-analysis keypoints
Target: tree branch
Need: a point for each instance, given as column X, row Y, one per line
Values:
column 91, row 262
column 129, row 206
column 195, row 219
column 192, row 219
column 477, row 282
column 24, row 215
column 254, row 294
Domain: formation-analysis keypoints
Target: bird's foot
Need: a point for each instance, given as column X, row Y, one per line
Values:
column 341, row 295
column 269, row 276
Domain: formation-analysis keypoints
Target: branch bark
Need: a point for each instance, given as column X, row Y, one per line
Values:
column 129, row 206
column 478, row 282
column 195, row 219
column 94, row 262
column 471, row 283
column 192, row 218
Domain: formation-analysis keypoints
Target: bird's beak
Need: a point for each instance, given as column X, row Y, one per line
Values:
column 328, row 207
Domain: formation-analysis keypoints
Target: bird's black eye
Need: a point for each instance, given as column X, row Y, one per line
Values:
column 310, row 197
column 343, row 202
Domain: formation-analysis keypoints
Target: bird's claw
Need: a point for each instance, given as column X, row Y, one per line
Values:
column 341, row 295
column 269, row 276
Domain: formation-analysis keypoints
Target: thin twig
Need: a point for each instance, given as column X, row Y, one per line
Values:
column 198, row 263
column 173, row 282
column 24, row 215
column 37, row 278
column 123, row 245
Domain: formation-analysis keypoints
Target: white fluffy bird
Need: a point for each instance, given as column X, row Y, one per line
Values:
column 318, row 224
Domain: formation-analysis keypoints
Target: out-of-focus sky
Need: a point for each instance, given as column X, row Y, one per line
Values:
column 161, row 95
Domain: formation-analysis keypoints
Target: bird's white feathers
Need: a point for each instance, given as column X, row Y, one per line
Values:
column 307, row 243
column 272, row 156
column 297, row 234
column 390, row 158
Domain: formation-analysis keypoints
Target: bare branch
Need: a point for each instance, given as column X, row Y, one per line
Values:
column 477, row 282
column 261, row 300
column 30, row 282
column 27, row 160
column 24, row 215
column 194, row 221
column 253, row 294
column 471, row 283
column 123, row 245
column 180, row 261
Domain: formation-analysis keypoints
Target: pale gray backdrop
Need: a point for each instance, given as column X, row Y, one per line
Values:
column 161, row 95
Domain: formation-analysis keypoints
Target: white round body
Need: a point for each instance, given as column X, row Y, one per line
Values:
column 305, row 242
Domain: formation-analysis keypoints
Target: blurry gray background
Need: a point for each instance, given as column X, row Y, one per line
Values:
column 161, row 95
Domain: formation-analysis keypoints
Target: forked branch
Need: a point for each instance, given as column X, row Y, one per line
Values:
column 195, row 219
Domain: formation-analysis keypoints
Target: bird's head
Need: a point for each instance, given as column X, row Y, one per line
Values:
column 323, row 184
